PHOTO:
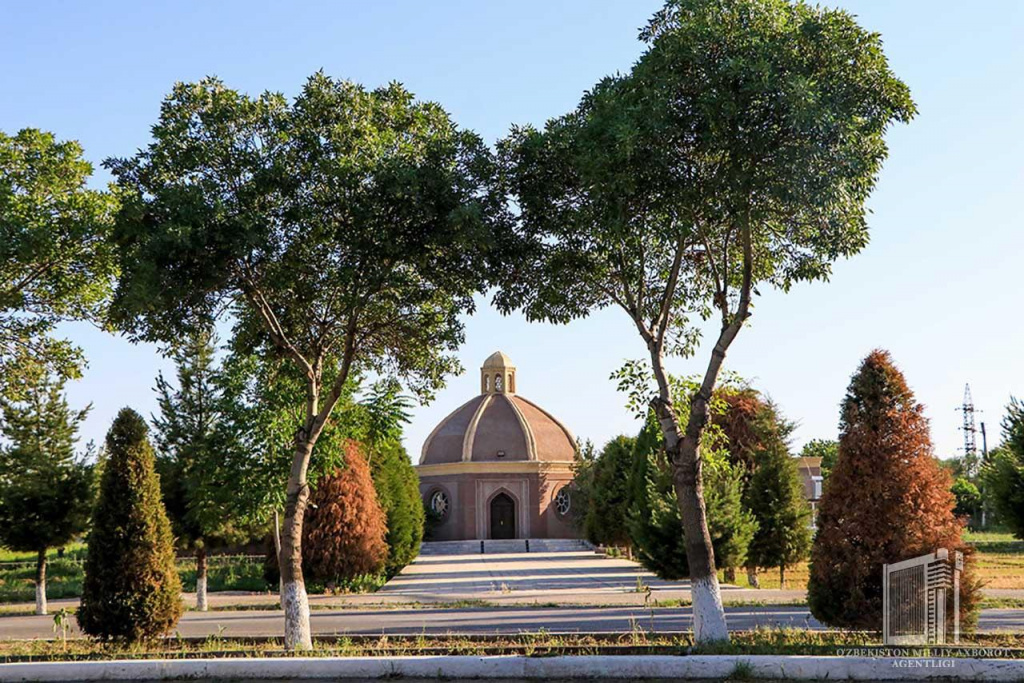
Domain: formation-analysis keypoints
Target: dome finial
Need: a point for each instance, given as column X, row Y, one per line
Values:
column 498, row 375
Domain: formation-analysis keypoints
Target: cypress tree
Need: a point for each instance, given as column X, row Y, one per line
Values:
column 776, row 498
column 191, row 442
column 654, row 523
column 609, row 497
column 398, row 492
column 345, row 530
column 45, row 490
column 887, row 499
column 131, row 591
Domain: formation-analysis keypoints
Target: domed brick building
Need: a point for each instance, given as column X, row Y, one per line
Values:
column 499, row 466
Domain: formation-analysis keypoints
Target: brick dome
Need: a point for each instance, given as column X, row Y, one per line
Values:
column 498, row 425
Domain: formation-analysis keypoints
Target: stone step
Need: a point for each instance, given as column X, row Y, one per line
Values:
column 518, row 545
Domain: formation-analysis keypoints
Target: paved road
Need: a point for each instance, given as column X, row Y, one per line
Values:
column 481, row 621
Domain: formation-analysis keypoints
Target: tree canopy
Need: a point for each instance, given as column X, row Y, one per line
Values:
column 56, row 259
column 344, row 231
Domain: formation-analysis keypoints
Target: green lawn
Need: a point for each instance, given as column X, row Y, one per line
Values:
column 75, row 551
column 64, row 577
column 1000, row 564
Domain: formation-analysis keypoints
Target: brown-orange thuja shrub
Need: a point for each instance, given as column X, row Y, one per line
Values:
column 886, row 500
column 344, row 534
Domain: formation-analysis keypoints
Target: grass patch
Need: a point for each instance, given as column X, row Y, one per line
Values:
column 760, row 641
column 72, row 551
column 224, row 573
column 1000, row 564
column 236, row 574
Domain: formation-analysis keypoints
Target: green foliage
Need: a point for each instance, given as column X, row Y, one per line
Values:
column 582, row 482
column 654, row 523
column 132, row 590
column 345, row 225
column 398, row 492
column 56, row 261
column 191, row 439
column 715, row 137
column 608, row 495
column 775, row 496
column 1003, row 474
column 826, row 449
column 46, row 491
column 968, row 498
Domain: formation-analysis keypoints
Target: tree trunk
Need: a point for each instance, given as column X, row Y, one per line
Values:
column 41, row 582
column 293, row 588
column 752, row 577
column 683, row 451
column 782, row 576
column 730, row 574
column 201, row 579
column 708, row 613
column 277, row 550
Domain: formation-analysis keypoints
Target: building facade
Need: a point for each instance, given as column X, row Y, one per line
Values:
column 499, row 466
column 812, row 480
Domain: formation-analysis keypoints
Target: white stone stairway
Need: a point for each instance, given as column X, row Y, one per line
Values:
column 518, row 545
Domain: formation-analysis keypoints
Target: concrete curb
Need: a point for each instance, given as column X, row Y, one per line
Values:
column 518, row 667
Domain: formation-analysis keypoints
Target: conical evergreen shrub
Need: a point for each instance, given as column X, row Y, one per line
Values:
column 344, row 531
column 775, row 495
column 654, row 524
column 131, row 590
column 886, row 500
column 398, row 492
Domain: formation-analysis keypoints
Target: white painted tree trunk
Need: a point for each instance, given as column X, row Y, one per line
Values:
column 297, row 634
column 277, row 549
column 201, row 604
column 708, row 614
column 41, row 582
column 41, row 598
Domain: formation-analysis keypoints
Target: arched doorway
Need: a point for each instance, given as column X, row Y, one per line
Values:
column 503, row 516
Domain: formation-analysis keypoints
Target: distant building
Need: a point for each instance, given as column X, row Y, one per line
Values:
column 500, row 466
column 810, row 474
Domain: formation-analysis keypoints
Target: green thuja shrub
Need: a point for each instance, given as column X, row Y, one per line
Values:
column 653, row 523
column 398, row 491
column 131, row 591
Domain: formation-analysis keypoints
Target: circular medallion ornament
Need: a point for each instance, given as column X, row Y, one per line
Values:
column 563, row 502
column 440, row 504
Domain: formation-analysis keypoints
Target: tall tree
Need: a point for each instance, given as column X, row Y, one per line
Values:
column 888, row 500
column 740, row 150
column 191, row 439
column 344, row 231
column 775, row 496
column 45, row 487
column 654, row 523
column 56, row 260
column 1003, row 474
column 607, row 509
column 132, row 590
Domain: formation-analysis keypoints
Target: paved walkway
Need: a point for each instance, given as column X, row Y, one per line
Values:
column 555, row 578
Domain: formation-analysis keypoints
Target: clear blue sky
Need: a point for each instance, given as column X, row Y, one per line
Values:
column 939, row 285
